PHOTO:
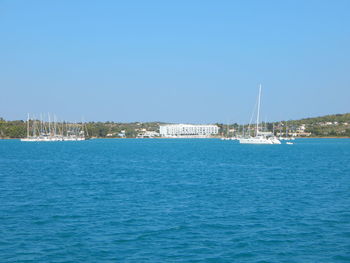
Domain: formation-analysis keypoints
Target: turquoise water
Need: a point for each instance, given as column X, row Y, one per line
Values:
column 144, row 200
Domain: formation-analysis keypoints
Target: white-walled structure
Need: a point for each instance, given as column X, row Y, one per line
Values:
column 188, row 130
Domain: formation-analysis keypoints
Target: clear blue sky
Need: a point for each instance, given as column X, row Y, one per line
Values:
column 174, row 61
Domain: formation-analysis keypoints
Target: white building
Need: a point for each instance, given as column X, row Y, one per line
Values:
column 188, row 130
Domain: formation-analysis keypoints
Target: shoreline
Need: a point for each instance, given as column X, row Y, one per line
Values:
column 343, row 137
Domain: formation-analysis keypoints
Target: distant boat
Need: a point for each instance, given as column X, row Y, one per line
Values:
column 42, row 131
column 259, row 138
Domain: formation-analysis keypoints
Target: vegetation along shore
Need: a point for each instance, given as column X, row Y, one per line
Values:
column 329, row 126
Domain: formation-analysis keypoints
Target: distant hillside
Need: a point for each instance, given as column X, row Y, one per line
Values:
column 337, row 125
column 339, row 118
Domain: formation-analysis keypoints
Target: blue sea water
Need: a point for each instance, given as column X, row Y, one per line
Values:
column 177, row 200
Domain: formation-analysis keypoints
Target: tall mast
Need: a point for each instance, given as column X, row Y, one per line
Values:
column 41, row 124
column 34, row 125
column 258, row 114
column 49, row 123
column 28, row 125
column 227, row 129
column 54, row 125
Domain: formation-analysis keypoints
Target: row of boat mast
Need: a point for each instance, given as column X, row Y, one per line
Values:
column 41, row 130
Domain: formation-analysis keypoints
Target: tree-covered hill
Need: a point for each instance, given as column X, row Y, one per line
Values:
column 335, row 118
column 336, row 125
column 17, row 129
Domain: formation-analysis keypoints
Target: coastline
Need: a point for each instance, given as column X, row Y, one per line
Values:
column 313, row 137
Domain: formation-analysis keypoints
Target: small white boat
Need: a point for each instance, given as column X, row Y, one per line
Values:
column 289, row 143
column 29, row 140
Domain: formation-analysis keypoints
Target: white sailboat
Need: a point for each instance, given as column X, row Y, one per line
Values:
column 259, row 138
column 42, row 131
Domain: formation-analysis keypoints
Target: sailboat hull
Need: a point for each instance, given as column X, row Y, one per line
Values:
column 259, row 140
column 255, row 141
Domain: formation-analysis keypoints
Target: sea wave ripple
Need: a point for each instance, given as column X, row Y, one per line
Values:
column 174, row 201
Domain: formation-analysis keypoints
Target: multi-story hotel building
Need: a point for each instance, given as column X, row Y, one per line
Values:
column 188, row 130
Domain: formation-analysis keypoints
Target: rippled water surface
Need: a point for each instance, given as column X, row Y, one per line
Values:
column 130, row 200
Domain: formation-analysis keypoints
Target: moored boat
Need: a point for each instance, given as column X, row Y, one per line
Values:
column 260, row 137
